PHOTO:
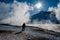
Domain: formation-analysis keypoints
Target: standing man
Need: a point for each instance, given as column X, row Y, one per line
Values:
column 23, row 28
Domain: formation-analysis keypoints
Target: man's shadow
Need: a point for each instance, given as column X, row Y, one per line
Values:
column 23, row 28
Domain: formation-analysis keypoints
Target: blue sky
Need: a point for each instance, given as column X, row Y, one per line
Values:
column 13, row 9
column 46, row 3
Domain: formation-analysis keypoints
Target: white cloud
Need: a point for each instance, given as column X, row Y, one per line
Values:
column 20, row 14
column 4, row 10
column 56, row 10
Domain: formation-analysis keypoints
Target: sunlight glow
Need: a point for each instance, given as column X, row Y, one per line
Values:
column 38, row 5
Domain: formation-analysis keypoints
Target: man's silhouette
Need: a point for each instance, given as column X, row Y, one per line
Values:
column 23, row 28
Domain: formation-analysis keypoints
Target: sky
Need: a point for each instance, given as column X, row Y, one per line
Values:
column 19, row 11
column 45, row 4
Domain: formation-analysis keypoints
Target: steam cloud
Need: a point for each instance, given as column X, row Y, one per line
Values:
column 56, row 10
column 4, row 10
column 20, row 13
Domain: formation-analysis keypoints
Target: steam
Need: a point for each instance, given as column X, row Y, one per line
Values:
column 20, row 14
column 4, row 10
column 56, row 10
column 42, row 22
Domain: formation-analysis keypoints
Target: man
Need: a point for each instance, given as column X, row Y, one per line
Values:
column 23, row 28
